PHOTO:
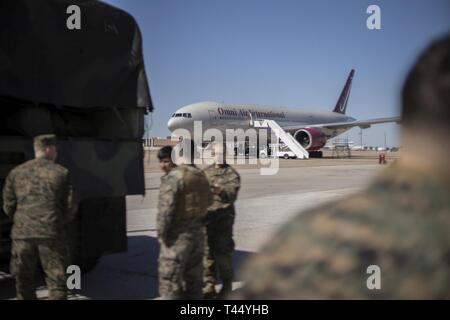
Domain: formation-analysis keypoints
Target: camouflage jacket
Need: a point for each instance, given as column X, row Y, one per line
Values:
column 400, row 224
column 38, row 196
column 176, row 215
column 228, row 180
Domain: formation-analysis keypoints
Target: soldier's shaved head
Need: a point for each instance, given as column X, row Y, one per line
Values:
column 219, row 152
column 426, row 92
column 45, row 146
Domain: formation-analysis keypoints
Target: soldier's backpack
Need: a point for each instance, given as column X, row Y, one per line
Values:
column 196, row 196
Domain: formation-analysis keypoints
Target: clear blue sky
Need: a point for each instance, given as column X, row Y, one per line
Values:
column 292, row 53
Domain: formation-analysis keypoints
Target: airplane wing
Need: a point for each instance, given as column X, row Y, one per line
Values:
column 363, row 124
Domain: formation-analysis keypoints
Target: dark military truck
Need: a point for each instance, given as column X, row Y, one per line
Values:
column 89, row 87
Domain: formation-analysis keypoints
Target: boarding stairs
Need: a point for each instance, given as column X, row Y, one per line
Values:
column 284, row 136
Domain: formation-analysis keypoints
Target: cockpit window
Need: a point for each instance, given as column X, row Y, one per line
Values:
column 184, row 115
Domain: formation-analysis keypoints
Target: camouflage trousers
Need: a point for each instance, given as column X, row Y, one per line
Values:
column 180, row 267
column 25, row 256
column 219, row 247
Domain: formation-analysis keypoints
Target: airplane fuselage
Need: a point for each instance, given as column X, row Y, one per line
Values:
column 224, row 116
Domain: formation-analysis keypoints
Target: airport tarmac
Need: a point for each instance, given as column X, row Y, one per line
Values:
column 329, row 159
column 264, row 204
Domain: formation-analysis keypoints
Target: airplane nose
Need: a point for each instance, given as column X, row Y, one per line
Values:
column 174, row 123
column 179, row 123
column 171, row 124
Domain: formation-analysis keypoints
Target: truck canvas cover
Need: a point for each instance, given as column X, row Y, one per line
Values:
column 42, row 61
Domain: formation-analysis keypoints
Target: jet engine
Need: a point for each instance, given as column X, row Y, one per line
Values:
column 311, row 138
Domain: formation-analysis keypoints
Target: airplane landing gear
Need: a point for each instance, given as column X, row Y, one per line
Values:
column 316, row 154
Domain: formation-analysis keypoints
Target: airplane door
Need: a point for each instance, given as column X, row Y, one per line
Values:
column 213, row 117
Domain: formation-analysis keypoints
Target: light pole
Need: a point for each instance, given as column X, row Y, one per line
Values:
column 360, row 139
column 385, row 143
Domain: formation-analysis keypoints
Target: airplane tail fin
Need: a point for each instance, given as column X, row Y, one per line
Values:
column 341, row 104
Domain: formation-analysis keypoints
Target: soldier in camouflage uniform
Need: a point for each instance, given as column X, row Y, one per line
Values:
column 225, row 183
column 37, row 196
column 400, row 223
column 183, row 200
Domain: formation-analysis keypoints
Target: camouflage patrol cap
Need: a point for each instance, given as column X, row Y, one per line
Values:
column 44, row 140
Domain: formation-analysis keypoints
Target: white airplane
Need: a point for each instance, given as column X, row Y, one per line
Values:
column 310, row 128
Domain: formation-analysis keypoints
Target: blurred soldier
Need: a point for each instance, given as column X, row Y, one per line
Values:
column 225, row 183
column 183, row 201
column 165, row 159
column 37, row 195
column 391, row 241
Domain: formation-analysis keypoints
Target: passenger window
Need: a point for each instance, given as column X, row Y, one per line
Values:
column 189, row 115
